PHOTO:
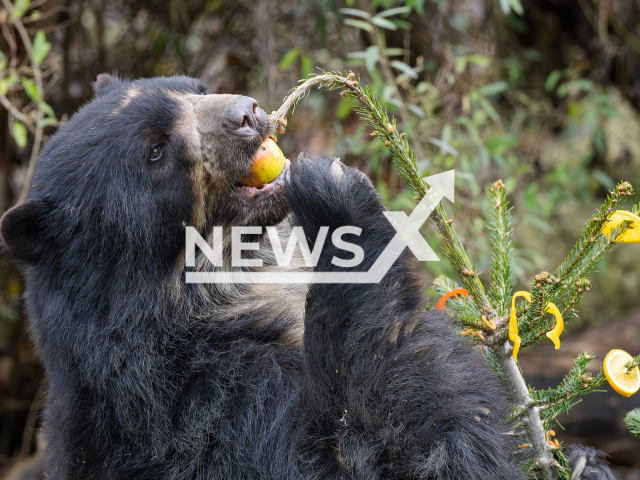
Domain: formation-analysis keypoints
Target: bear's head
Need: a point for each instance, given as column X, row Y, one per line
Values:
column 121, row 180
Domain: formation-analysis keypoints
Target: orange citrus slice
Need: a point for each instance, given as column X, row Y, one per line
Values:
column 625, row 382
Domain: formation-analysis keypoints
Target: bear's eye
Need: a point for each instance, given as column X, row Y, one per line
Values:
column 156, row 152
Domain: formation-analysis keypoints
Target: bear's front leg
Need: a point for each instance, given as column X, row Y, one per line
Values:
column 389, row 391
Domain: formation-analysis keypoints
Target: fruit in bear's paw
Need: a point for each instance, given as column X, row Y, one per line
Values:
column 268, row 163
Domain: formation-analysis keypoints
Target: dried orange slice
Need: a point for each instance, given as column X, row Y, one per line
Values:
column 456, row 291
column 625, row 382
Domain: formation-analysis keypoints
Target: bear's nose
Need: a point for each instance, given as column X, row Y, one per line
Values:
column 243, row 116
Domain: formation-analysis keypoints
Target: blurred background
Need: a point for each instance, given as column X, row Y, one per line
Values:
column 544, row 94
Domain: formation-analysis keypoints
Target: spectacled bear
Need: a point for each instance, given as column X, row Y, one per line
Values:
column 152, row 377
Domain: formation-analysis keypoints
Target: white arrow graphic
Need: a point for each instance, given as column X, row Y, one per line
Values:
column 407, row 235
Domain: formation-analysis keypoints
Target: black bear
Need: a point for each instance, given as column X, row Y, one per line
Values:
column 152, row 377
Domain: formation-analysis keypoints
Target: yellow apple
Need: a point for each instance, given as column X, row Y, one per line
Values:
column 267, row 164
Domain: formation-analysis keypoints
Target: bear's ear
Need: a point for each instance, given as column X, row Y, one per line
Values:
column 23, row 231
column 106, row 83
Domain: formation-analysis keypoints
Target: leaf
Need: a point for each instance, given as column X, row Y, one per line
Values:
column 287, row 60
column 394, row 11
column 605, row 180
column 404, row 68
column 20, row 8
column 359, row 24
column 446, row 132
column 461, row 64
column 45, row 122
column 20, row 134
column 306, row 67
column 41, row 48
column 494, row 88
column 517, row 7
column 12, row 78
column 552, row 80
column 46, row 108
column 417, row 110
column 345, row 107
column 372, row 55
column 563, row 90
column 358, row 55
column 417, row 5
column 31, row 89
column 403, row 24
column 480, row 60
column 4, row 88
column 500, row 143
column 384, row 23
column 487, row 107
column 355, row 13
column 392, row 52
column 582, row 84
column 3, row 60
column 444, row 146
column 534, row 55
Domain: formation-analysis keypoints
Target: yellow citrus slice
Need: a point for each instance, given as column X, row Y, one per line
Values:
column 624, row 382
column 632, row 235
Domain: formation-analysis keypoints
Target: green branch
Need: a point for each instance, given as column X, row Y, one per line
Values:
column 577, row 382
column 501, row 251
column 569, row 281
column 633, row 421
column 404, row 158
column 633, row 363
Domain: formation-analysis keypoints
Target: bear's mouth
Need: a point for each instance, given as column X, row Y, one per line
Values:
column 268, row 190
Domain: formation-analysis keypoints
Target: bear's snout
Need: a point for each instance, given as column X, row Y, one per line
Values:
column 243, row 117
column 235, row 115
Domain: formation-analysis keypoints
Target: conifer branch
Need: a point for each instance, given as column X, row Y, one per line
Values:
column 633, row 421
column 569, row 281
column 404, row 159
column 501, row 251
column 577, row 382
column 464, row 310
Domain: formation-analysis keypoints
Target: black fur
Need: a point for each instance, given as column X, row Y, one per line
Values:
column 151, row 378
column 596, row 467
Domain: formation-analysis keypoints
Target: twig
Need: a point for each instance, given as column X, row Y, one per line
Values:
column 6, row 103
column 535, row 428
column 37, row 75
column 35, row 150
column 8, row 35
column 53, row 28
column 47, row 14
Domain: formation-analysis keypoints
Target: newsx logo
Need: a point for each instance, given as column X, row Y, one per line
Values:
column 407, row 235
